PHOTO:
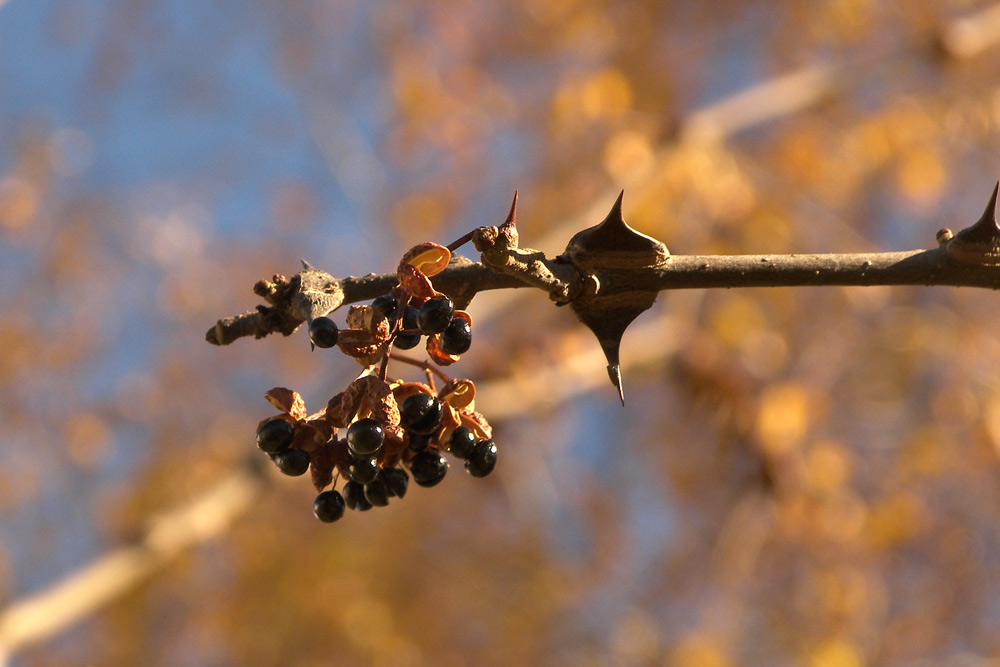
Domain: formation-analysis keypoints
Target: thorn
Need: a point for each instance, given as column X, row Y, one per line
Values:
column 985, row 231
column 614, row 216
column 615, row 373
column 511, row 220
column 990, row 214
column 980, row 243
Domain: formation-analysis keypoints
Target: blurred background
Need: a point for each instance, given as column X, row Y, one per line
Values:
column 800, row 476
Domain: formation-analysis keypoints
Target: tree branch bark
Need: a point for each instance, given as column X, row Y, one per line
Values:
column 913, row 267
column 464, row 279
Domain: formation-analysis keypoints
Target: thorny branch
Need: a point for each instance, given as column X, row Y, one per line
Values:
column 968, row 259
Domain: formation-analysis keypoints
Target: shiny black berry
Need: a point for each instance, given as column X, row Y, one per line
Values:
column 435, row 315
column 364, row 438
column 292, row 462
column 409, row 323
column 428, row 468
column 323, row 332
column 275, row 436
column 462, row 442
column 377, row 492
column 406, row 342
column 421, row 413
column 483, row 459
column 388, row 305
column 363, row 471
column 457, row 338
column 329, row 506
column 410, row 315
column 396, row 480
column 353, row 492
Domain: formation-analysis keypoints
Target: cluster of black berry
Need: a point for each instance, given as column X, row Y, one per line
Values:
column 390, row 425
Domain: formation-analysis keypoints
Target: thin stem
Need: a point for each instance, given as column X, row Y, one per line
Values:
column 385, row 360
column 426, row 365
column 460, row 241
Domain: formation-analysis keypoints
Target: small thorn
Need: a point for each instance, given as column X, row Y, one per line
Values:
column 990, row 214
column 615, row 373
column 511, row 220
column 615, row 215
column 985, row 231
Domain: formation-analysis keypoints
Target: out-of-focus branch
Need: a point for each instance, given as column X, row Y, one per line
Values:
column 970, row 36
column 88, row 589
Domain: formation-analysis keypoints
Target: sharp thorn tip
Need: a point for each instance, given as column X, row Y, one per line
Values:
column 615, row 374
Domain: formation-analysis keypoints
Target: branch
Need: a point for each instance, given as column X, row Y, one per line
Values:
column 967, row 259
column 913, row 267
column 462, row 282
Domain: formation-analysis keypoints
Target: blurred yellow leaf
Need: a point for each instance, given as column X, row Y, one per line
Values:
column 921, row 176
column 837, row 653
column 828, row 466
column 896, row 519
column 606, row 94
column 783, row 416
column 627, row 154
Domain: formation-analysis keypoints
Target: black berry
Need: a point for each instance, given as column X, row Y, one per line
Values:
column 329, row 506
column 410, row 315
column 354, row 497
column 352, row 492
column 396, row 480
column 323, row 332
column 428, row 468
column 388, row 306
column 421, row 413
column 406, row 342
column 363, row 471
column 275, row 436
column 483, row 459
column 462, row 442
column 292, row 462
column 364, row 438
column 377, row 492
column 435, row 315
column 457, row 338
